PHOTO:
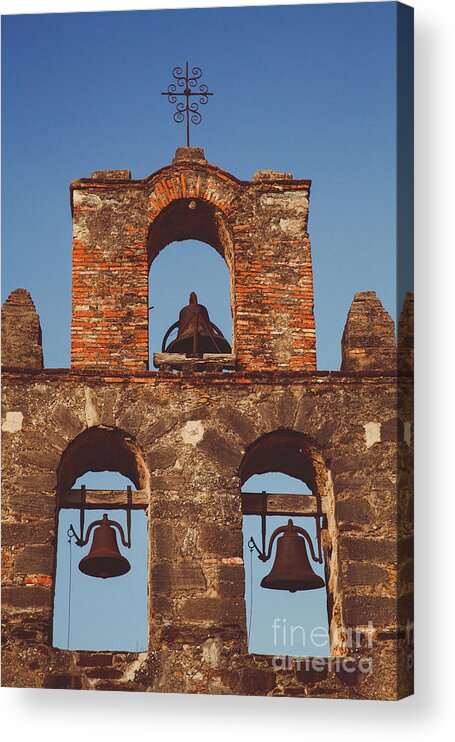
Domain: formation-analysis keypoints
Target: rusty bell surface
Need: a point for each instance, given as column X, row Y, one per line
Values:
column 292, row 569
column 196, row 333
column 104, row 558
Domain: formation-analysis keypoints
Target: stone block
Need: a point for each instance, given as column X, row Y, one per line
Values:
column 157, row 429
column 257, row 681
column 224, row 542
column 312, row 672
column 31, row 503
column 362, row 573
column 162, row 540
column 104, row 672
column 42, row 459
column 27, row 597
column 177, row 576
column 94, row 659
column 161, row 457
column 231, row 580
column 62, row 681
column 214, row 611
column 239, row 423
column 355, row 510
column 33, row 532
column 381, row 551
column 38, row 482
column 221, row 450
column 360, row 609
column 21, row 332
column 130, row 420
column 67, row 422
column 197, row 635
column 368, row 342
column 35, row 560
column 111, row 175
column 108, row 413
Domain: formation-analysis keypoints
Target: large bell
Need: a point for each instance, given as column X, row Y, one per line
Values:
column 104, row 558
column 196, row 333
column 292, row 570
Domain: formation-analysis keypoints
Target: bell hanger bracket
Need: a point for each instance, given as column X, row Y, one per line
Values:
column 80, row 540
column 264, row 554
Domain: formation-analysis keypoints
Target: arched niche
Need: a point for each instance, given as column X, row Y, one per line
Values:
column 100, row 449
column 191, row 219
column 289, row 452
column 298, row 455
column 186, row 219
column 83, row 606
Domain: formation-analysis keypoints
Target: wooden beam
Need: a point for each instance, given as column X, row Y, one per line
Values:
column 286, row 505
column 103, row 499
column 207, row 362
column 277, row 504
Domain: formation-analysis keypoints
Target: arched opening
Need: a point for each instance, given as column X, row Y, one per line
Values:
column 288, row 467
column 91, row 613
column 197, row 259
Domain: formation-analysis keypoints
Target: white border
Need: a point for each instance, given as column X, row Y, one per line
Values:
column 54, row 715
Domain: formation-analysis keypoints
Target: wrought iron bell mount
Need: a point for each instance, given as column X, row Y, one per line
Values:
column 291, row 570
column 197, row 334
column 104, row 558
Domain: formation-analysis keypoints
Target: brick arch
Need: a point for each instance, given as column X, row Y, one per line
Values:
column 100, row 449
column 198, row 181
column 192, row 202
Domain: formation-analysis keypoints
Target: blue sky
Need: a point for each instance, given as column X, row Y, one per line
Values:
column 305, row 89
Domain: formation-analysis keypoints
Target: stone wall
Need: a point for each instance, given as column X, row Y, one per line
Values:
column 189, row 439
column 190, row 434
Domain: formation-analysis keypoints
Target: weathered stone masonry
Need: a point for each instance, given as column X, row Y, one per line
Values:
column 183, row 439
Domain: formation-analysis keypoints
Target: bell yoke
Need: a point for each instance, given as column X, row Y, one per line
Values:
column 196, row 333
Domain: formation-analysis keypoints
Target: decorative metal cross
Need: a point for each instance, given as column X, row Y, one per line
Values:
column 189, row 83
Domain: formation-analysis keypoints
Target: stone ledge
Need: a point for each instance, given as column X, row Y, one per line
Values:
column 111, row 175
column 270, row 175
column 189, row 154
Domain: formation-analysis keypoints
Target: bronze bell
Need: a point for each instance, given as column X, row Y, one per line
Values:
column 292, row 570
column 196, row 333
column 104, row 558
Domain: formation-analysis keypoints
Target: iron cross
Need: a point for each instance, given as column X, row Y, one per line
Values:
column 190, row 86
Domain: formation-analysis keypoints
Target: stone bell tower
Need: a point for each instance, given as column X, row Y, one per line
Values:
column 189, row 438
